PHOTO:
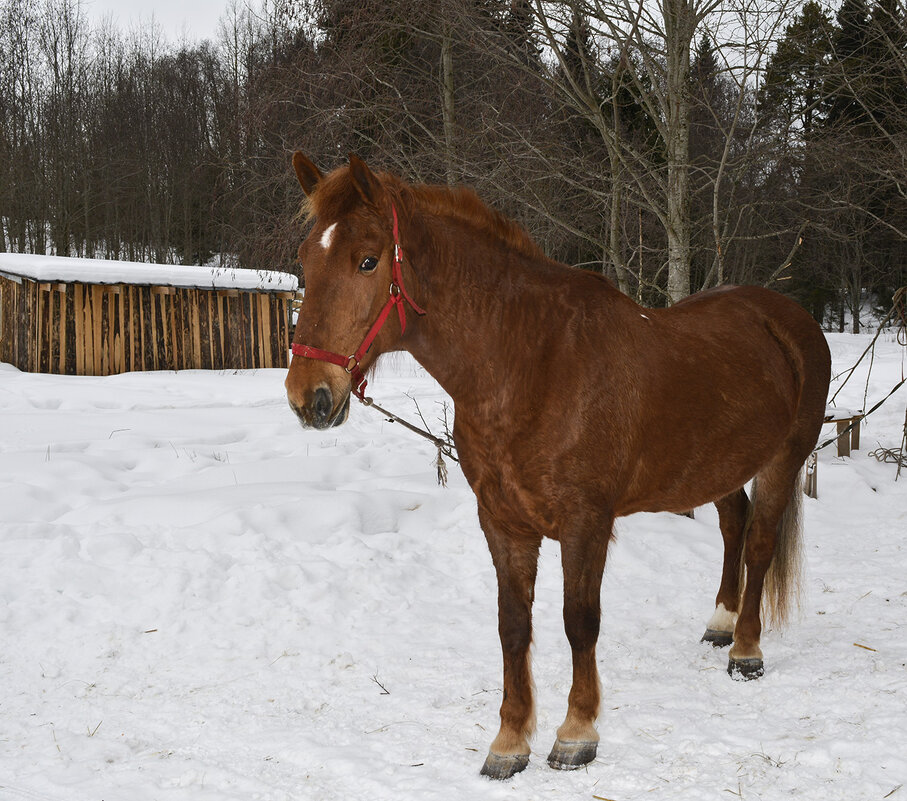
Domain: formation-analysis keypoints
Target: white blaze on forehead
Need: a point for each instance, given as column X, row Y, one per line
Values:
column 328, row 235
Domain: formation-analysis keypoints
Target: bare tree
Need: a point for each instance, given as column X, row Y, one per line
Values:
column 660, row 38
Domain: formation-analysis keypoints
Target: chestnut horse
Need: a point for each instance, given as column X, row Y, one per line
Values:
column 573, row 406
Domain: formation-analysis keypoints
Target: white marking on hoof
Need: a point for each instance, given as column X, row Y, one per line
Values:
column 328, row 235
column 722, row 619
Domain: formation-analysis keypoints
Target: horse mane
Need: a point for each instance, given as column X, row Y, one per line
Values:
column 337, row 196
column 462, row 204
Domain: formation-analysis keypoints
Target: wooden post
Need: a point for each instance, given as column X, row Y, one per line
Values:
column 209, row 349
column 80, row 328
column 115, row 320
column 174, row 334
column 39, row 325
column 197, row 330
column 143, row 292
column 855, row 431
column 61, row 322
column 843, row 438
column 97, row 342
column 811, row 487
column 133, row 292
column 247, row 329
column 222, row 311
column 4, row 322
column 264, row 325
column 155, row 340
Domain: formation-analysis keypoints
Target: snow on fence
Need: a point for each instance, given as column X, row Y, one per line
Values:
column 91, row 317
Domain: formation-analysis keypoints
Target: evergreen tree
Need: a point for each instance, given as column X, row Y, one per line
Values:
column 862, row 141
column 847, row 74
column 519, row 34
column 792, row 93
column 887, row 60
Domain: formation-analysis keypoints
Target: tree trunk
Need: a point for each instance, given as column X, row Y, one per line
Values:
column 447, row 102
column 679, row 29
column 615, row 235
column 855, row 306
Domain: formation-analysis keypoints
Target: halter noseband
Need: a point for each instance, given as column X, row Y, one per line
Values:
column 398, row 295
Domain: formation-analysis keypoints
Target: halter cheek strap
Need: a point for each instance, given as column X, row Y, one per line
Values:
column 398, row 295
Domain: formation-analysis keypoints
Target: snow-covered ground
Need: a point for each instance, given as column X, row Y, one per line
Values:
column 200, row 600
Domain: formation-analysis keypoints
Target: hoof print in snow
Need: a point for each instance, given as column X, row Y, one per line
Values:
column 503, row 767
column 718, row 639
column 568, row 755
column 745, row 669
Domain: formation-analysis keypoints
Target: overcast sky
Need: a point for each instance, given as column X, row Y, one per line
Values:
column 197, row 19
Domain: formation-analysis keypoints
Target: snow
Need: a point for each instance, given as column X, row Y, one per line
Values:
column 98, row 271
column 201, row 601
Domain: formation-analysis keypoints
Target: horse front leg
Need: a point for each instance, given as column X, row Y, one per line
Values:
column 583, row 558
column 515, row 560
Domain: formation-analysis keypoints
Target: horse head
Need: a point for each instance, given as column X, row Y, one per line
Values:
column 349, row 259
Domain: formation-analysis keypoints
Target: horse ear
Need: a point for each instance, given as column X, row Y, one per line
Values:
column 306, row 172
column 364, row 180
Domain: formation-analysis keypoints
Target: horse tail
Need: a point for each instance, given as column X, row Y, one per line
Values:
column 781, row 590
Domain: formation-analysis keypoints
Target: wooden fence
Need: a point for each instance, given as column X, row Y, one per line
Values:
column 101, row 329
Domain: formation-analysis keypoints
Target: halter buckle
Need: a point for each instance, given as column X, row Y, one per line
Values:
column 352, row 364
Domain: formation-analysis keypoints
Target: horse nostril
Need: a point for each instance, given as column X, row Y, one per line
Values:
column 322, row 405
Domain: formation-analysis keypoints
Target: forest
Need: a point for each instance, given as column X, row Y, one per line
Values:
column 672, row 146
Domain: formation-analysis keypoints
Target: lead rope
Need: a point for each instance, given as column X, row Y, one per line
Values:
column 445, row 447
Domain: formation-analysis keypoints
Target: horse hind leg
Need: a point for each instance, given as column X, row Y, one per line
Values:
column 733, row 514
column 772, row 557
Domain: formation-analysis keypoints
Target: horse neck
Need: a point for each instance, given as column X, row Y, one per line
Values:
column 477, row 292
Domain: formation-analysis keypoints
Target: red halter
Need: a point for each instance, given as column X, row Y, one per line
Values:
column 398, row 295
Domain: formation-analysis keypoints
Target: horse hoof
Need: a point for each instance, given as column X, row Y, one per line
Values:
column 718, row 639
column 502, row 767
column 745, row 669
column 570, row 755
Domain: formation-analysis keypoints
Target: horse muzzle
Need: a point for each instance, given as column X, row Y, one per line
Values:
column 319, row 411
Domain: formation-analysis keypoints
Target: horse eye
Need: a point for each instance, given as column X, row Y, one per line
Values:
column 369, row 265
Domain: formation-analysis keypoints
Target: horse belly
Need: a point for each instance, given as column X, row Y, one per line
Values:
column 682, row 487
